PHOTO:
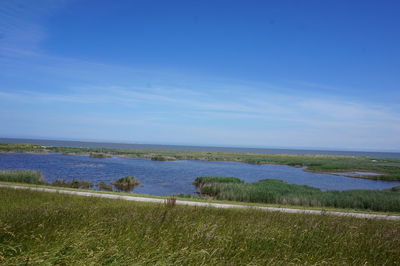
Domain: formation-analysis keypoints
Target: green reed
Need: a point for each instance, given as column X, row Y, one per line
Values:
column 280, row 192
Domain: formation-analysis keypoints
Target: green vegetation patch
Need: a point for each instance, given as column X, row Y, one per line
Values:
column 126, row 183
column 279, row 192
column 104, row 186
column 41, row 228
column 21, row 147
column 200, row 181
column 21, row 176
column 98, row 155
column 72, row 184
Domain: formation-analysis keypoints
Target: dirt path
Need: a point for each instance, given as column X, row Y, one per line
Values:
column 205, row 204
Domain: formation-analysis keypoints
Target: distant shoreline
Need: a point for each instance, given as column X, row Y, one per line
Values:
column 112, row 145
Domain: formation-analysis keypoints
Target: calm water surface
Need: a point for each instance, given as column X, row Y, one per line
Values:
column 172, row 177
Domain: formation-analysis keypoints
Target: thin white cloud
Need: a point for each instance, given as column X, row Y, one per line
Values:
column 311, row 111
column 344, row 111
column 21, row 22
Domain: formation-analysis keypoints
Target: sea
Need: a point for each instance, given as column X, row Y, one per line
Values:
column 85, row 144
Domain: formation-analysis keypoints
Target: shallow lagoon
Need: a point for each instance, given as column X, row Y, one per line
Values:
column 173, row 177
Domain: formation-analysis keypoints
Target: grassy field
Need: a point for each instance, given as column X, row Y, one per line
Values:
column 388, row 168
column 280, row 192
column 46, row 228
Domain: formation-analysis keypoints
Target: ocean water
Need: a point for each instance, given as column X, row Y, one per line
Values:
column 82, row 144
column 173, row 177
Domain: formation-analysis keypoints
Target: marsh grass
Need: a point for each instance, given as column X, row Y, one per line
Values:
column 126, row 183
column 99, row 155
column 21, row 147
column 72, row 184
column 41, row 228
column 21, row 176
column 202, row 180
column 280, row 192
column 80, row 184
column 104, row 186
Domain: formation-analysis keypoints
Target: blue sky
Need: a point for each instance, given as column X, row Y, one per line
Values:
column 294, row 74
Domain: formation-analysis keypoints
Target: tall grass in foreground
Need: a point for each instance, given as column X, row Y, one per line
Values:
column 41, row 228
column 280, row 192
column 21, row 176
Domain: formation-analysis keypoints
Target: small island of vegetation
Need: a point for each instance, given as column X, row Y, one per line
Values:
column 126, row 183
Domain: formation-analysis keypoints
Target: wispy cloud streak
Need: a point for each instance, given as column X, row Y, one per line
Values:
column 21, row 22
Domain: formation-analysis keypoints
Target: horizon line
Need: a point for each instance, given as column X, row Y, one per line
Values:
column 200, row 145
